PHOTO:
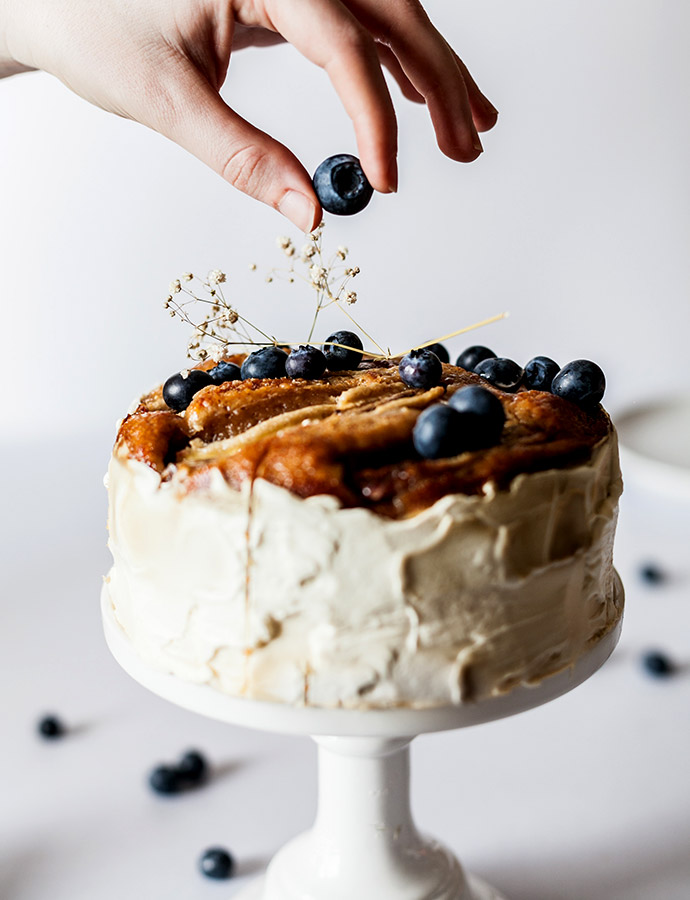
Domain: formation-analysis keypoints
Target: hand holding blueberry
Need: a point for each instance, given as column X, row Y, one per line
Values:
column 181, row 52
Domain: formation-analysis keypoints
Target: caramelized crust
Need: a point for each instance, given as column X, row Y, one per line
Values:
column 350, row 435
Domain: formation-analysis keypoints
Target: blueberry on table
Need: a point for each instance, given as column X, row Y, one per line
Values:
column 225, row 371
column 178, row 390
column 483, row 416
column 658, row 664
column 469, row 358
column 341, row 185
column 652, row 574
column 217, row 863
column 581, row 382
column 421, row 369
column 440, row 351
column 268, row 362
column 539, row 373
column 339, row 358
column 51, row 727
column 192, row 768
column 305, row 362
column 166, row 780
column 501, row 372
column 438, row 432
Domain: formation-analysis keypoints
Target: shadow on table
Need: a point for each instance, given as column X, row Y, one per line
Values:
column 644, row 871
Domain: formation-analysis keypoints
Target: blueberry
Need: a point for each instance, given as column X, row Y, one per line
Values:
column 581, row 382
column 305, row 362
column 469, row 358
column 192, row 768
column 658, row 664
column 421, row 369
column 501, row 372
column 482, row 414
column 539, row 373
column 225, row 371
column 341, row 185
column 178, row 391
column 440, row 351
column 166, row 780
column 338, row 358
column 217, row 863
column 268, row 362
column 438, row 432
column 652, row 574
column 51, row 727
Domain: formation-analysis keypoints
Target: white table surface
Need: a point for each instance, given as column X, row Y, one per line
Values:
column 587, row 798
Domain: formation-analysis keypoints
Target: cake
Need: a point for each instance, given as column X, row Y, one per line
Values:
column 281, row 540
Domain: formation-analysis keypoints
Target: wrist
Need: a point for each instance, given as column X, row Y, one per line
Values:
column 12, row 59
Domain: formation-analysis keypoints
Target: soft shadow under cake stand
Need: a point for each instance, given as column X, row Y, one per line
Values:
column 364, row 844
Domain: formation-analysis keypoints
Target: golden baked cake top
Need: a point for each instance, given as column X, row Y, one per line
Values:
column 349, row 434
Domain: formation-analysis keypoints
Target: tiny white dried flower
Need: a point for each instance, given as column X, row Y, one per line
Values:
column 185, row 373
column 231, row 317
column 217, row 352
column 351, row 297
column 342, row 252
column 215, row 276
column 252, row 267
column 283, row 241
column 175, row 286
column 317, row 273
column 171, row 312
column 203, row 354
column 187, row 276
column 269, row 279
column 307, row 252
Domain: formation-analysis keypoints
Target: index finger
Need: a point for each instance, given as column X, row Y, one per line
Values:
column 331, row 37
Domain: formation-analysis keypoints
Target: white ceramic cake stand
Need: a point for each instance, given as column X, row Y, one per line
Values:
column 364, row 844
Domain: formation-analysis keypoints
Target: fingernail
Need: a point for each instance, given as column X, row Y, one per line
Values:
column 477, row 143
column 393, row 174
column 299, row 209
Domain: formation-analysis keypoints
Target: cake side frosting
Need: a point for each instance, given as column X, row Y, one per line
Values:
column 269, row 595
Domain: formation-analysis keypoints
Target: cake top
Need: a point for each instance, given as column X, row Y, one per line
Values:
column 351, row 434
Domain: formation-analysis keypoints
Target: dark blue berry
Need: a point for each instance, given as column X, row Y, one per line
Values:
column 501, row 372
column 178, row 391
column 166, row 780
column 217, row 863
column 539, row 373
column 268, row 362
column 51, row 727
column 652, row 574
column 341, row 185
column 482, row 415
column 438, row 432
column 440, row 351
column 192, row 768
column 658, row 664
column 421, row 369
column 581, row 382
column 338, row 358
column 305, row 362
column 469, row 358
column 225, row 371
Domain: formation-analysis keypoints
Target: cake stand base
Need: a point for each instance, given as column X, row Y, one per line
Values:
column 364, row 844
column 479, row 890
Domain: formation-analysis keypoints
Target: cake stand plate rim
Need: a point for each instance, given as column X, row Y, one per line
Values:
column 395, row 722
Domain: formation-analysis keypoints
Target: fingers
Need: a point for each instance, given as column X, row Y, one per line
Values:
column 432, row 68
column 390, row 61
column 484, row 113
column 200, row 121
column 330, row 36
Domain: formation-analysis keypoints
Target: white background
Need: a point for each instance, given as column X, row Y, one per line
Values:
column 575, row 219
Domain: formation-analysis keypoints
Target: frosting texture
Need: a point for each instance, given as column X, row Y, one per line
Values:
column 265, row 594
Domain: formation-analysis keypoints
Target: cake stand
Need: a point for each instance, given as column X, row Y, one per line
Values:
column 364, row 844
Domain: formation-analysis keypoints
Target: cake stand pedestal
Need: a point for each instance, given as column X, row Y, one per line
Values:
column 364, row 844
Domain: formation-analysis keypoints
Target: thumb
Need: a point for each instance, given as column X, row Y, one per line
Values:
column 246, row 157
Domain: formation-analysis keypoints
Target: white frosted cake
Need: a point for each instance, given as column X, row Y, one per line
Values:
column 281, row 540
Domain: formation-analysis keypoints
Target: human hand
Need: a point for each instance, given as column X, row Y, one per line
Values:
column 163, row 62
